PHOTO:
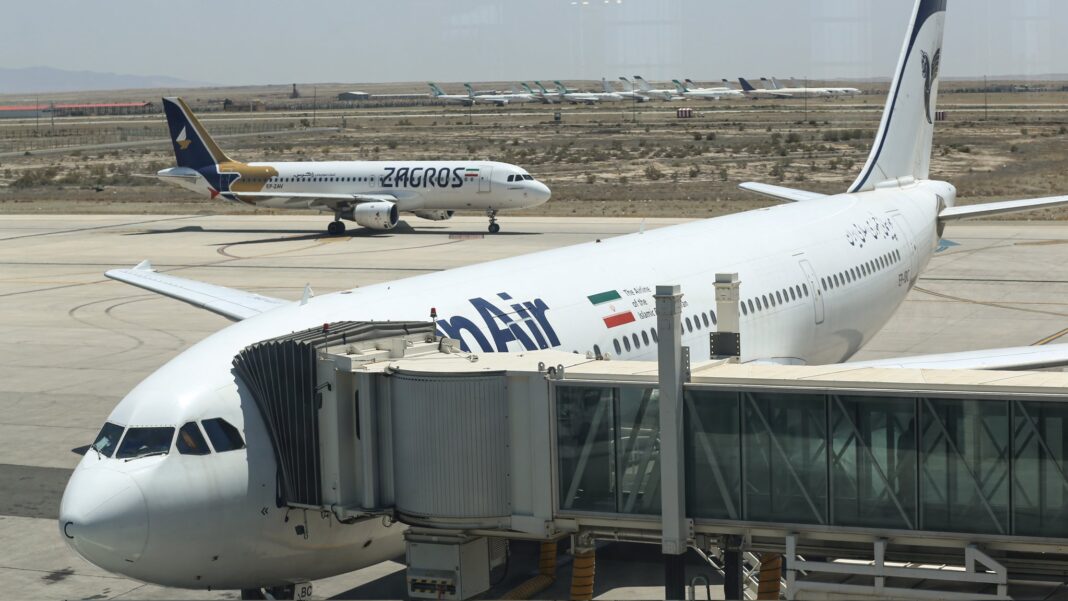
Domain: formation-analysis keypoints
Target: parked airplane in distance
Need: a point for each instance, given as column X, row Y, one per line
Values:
column 586, row 97
column 820, row 275
column 438, row 94
column 659, row 94
column 776, row 84
column 628, row 93
column 499, row 98
column 705, row 93
column 369, row 193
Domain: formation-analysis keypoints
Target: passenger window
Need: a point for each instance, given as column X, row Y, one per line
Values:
column 637, row 344
column 108, row 439
column 824, row 281
column 766, row 305
column 615, row 342
column 142, row 442
column 645, row 337
column 712, row 314
column 704, row 318
column 836, row 280
column 793, row 294
column 744, row 310
column 804, row 288
column 626, row 343
column 656, row 339
column 597, row 352
column 223, row 435
column 191, row 441
column 689, row 325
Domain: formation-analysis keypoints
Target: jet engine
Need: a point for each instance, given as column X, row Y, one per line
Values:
column 379, row 215
column 434, row 215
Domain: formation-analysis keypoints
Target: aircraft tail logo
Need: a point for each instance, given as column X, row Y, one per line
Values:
column 930, row 74
column 183, row 140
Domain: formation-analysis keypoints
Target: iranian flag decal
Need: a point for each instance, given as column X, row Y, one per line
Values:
column 616, row 319
column 471, row 172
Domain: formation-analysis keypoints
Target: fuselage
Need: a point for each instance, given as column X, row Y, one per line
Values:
column 416, row 185
column 818, row 280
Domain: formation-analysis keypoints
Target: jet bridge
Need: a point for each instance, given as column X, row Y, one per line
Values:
column 870, row 475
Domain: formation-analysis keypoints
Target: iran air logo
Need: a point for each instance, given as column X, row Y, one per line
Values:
column 930, row 74
column 183, row 140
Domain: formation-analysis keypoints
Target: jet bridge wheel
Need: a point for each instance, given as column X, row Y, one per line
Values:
column 336, row 228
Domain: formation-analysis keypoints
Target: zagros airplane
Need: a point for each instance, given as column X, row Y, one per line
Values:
column 820, row 275
column 370, row 193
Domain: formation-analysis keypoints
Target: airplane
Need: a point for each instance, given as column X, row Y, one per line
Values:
column 628, row 93
column 499, row 99
column 820, row 275
column 705, row 93
column 547, row 96
column 831, row 91
column 805, row 92
column 437, row 94
column 369, row 193
column 749, row 90
column 586, row 97
column 659, row 94
column 537, row 96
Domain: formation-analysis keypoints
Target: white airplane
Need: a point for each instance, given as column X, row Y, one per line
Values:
column 547, row 96
column 705, row 93
column 830, row 91
column 370, row 193
column 805, row 92
column 628, row 93
column 586, row 97
column 659, row 94
column 437, row 94
column 500, row 99
column 820, row 276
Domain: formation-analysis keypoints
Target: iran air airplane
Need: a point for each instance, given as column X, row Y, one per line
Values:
column 370, row 193
column 179, row 489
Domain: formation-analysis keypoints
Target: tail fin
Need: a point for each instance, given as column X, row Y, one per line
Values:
column 435, row 91
column 627, row 85
column 470, row 90
column 728, row 84
column 746, row 86
column 527, row 88
column 902, row 148
column 690, row 83
column 541, row 87
column 767, row 84
column 193, row 147
column 561, row 87
column 644, row 85
column 776, row 85
column 607, row 87
column 681, row 89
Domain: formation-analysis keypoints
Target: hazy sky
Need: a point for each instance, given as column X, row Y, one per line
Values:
column 274, row 41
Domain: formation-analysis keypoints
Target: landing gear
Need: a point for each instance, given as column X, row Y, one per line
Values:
column 494, row 227
column 336, row 228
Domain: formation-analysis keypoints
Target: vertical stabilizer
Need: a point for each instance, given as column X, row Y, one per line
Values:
column 642, row 84
column 777, row 85
column 627, row 85
column 767, row 84
column 470, row 90
column 902, row 148
column 681, row 89
column 193, row 147
column 435, row 91
column 746, row 86
column 607, row 87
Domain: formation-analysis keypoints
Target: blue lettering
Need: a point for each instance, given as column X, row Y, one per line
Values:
column 458, row 177
column 538, row 308
column 387, row 181
column 428, row 179
column 415, row 179
column 457, row 326
column 443, row 178
column 402, row 177
column 501, row 336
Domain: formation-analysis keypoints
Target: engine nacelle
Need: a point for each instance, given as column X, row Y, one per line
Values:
column 434, row 215
column 379, row 215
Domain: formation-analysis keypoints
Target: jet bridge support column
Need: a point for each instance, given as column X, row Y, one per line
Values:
column 674, row 367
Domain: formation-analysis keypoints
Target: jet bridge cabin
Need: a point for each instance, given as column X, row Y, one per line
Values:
column 965, row 468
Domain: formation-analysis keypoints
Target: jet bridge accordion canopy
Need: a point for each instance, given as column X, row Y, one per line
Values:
column 280, row 375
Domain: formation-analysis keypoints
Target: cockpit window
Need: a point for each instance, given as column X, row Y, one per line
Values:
column 224, row 436
column 528, row 177
column 108, row 439
column 191, row 441
column 141, row 442
column 512, row 178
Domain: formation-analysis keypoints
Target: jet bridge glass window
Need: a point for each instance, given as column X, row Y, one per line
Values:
column 108, row 439
column 191, row 441
column 141, row 442
column 223, row 435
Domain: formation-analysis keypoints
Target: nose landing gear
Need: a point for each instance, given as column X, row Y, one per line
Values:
column 494, row 227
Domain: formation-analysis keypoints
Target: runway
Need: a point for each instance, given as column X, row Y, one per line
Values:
column 74, row 342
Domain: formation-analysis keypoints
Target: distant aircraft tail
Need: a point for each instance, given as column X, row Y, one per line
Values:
column 728, row 84
column 541, row 87
column 902, row 148
column 470, row 90
column 776, row 85
column 681, row 89
column 746, row 86
column 528, row 88
column 627, row 85
column 767, row 84
column 561, row 87
column 193, row 147
column 435, row 91
column 690, row 83
column 642, row 84
column 607, row 87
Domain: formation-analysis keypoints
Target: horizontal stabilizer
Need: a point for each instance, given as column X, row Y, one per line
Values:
column 228, row 302
column 780, row 192
column 1001, row 208
column 1018, row 358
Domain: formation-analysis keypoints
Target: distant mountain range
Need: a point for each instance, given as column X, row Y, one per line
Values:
column 47, row 79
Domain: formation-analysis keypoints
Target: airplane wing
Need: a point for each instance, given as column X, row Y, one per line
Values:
column 1018, row 358
column 318, row 198
column 780, row 193
column 228, row 302
column 999, row 208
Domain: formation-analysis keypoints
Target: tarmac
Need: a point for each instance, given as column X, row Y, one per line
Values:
column 74, row 342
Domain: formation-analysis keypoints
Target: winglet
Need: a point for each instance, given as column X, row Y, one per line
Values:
column 145, row 265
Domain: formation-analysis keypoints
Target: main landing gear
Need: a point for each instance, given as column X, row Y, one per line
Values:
column 494, row 227
column 336, row 227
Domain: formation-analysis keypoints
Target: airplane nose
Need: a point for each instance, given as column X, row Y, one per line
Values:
column 541, row 192
column 103, row 517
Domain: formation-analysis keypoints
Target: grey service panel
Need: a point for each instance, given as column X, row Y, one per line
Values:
column 448, row 571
